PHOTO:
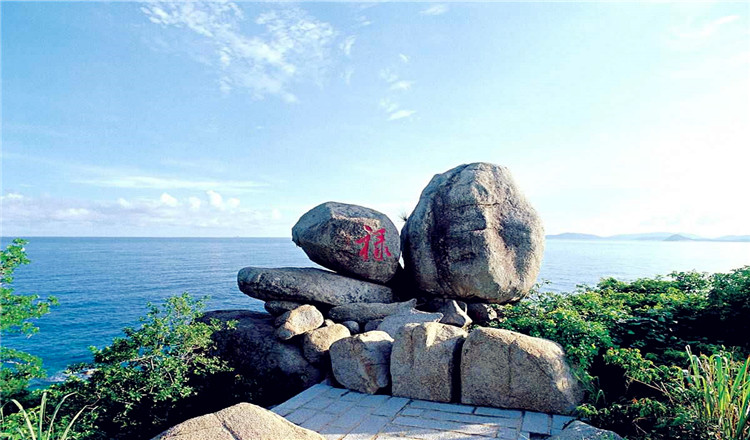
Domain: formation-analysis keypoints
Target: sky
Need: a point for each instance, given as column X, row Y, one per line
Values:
column 229, row 119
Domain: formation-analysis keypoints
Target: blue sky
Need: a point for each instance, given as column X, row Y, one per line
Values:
column 233, row 119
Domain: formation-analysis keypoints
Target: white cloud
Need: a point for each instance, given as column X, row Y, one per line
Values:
column 402, row 85
column 347, row 44
column 705, row 31
column 195, row 203
column 388, row 75
column 435, row 10
column 135, row 217
column 215, row 199
column 276, row 214
column 404, row 58
column 400, row 114
column 295, row 46
column 388, row 105
column 168, row 200
column 233, row 203
column 347, row 75
column 163, row 183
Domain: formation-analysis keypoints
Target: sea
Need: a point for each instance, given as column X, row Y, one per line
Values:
column 104, row 284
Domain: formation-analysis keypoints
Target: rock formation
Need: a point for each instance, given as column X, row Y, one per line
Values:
column 473, row 236
column 351, row 240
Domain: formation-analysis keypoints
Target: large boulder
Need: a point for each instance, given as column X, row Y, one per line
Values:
column 298, row 321
column 315, row 343
column 506, row 369
column 393, row 323
column 277, row 369
column 277, row 308
column 473, row 236
column 364, row 312
column 243, row 421
column 309, row 285
column 362, row 362
column 351, row 240
column 578, row 430
column 425, row 362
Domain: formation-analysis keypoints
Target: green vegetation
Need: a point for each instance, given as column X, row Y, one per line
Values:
column 31, row 424
column 627, row 342
column 17, row 368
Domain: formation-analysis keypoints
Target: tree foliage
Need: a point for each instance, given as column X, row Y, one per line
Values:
column 18, row 367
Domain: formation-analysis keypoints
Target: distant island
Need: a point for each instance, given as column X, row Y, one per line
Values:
column 651, row 236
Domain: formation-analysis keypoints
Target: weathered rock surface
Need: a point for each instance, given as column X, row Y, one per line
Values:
column 454, row 312
column 309, row 285
column 474, row 236
column 298, row 321
column 372, row 325
column 506, row 369
column 315, row 343
column 277, row 308
column 393, row 323
column 278, row 369
column 328, row 323
column 481, row 313
column 243, row 421
column 425, row 362
column 362, row 362
column 353, row 326
column 364, row 312
column 578, row 430
column 347, row 238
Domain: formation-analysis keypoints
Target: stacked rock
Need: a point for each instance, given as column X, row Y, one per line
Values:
column 472, row 239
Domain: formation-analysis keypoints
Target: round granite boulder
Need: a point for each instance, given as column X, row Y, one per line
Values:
column 473, row 236
column 351, row 240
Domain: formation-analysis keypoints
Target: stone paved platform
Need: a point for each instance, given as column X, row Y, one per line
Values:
column 338, row 414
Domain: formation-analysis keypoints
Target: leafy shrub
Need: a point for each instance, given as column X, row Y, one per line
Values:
column 17, row 367
column 151, row 378
column 625, row 341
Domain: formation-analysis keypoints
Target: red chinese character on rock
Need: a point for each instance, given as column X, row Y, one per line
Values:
column 379, row 247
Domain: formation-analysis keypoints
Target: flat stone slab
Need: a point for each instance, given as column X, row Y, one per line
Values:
column 341, row 414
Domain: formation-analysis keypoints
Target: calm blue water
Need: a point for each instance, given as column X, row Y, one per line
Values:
column 103, row 284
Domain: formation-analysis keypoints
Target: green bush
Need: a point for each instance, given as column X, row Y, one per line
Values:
column 152, row 378
column 626, row 343
column 17, row 367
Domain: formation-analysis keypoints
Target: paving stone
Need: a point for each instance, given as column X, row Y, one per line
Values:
column 368, row 429
column 318, row 421
column 524, row 436
column 412, row 412
column 335, row 393
column 301, row 415
column 437, row 406
column 353, row 396
column 333, row 432
column 352, row 418
column 391, row 407
column 373, row 400
column 464, row 428
column 470, row 419
column 340, row 406
column 507, row 434
column 498, row 412
column 536, row 422
column 300, row 399
column 427, row 433
column 319, row 403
